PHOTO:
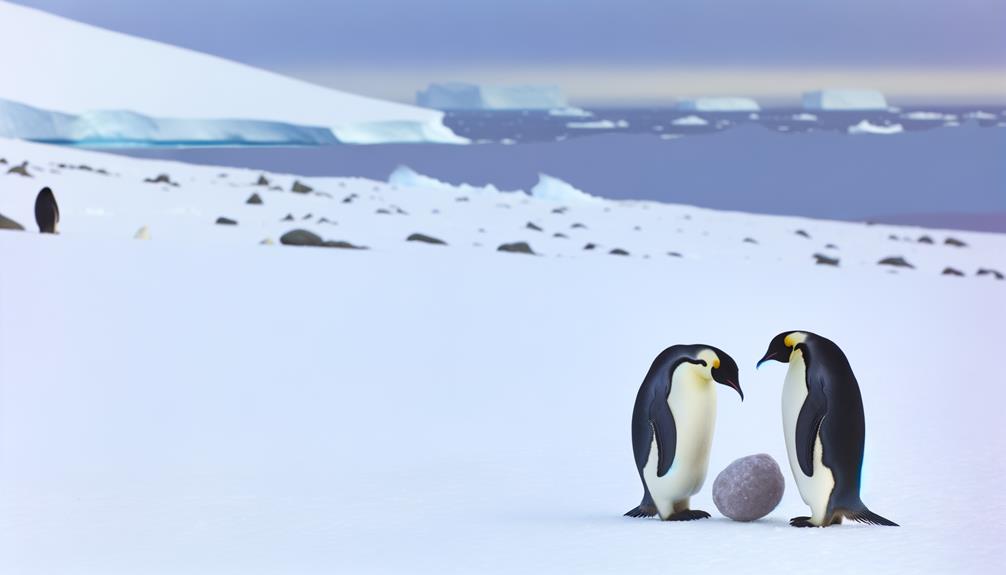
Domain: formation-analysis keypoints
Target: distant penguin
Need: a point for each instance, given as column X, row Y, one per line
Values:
column 822, row 412
column 672, row 427
column 46, row 212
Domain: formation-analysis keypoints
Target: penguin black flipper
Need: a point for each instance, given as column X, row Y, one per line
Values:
column 666, row 432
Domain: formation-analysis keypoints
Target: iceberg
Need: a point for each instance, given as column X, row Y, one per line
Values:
column 844, row 100
column 555, row 190
column 598, row 125
column 690, row 121
column 141, row 86
column 570, row 112
column 462, row 96
column 406, row 177
column 719, row 105
column 865, row 127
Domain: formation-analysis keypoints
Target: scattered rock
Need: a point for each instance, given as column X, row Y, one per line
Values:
column 383, row 211
column 342, row 245
column 308, row 217
column 324, row 220
column 85, row 168
column 142, row 234
column 255, row 199
column 559, row 235
column 425, row 239
column 101, row 171
column 892, row 237
column 750, row 241
column 226, row 221
column 461, row 199
column 400, row 211
column 952, row 272
column 531, row 226
column 9, row 224
column 262, row 181
column 21, row 170
column 3, row 161
column 749, row 488
column 954, row 242
column 578, row 225
column 275, row 188
column 990, row 272
column 161, row 179
column 831, row 247
column 349, row 199
column 896, row 261
column 299, row 188
column 560, row 210
column 516, row 247
column 300, row 238
column 323, row 195
column 674, row 254
column 618, row 252
column 267, row 242
column 821, row 259
column 637, row 229
column 802, row 233
column 925, row 240
column 288, row 218
column 590, row 246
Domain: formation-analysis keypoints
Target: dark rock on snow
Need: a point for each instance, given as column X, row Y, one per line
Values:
column 896, row 261
column 226, row 221
column 255, row 199
column 824, row 260
column 618, row 252
column 952, row 272
column 990, row 272
column 516, row 247
column 425, row 239
column 9, row 224
column 954, row 242
column 532, row 226
column 299, row 188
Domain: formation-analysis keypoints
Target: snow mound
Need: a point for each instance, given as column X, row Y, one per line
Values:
column 719, row 105
column 556, row 190
column 463, row 96
column 406, row 177
column 690, row 121
column 570, row 112
column 865, row 127
column 83, row 68
column 844, row 100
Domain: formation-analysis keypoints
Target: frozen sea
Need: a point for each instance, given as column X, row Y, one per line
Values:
column 940, row 168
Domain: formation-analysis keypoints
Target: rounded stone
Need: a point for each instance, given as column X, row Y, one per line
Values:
column 749, row 488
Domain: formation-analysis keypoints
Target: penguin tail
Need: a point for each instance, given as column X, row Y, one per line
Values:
column 646, row 508
column 869, row 517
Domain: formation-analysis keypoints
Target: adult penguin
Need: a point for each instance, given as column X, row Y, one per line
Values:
column 46, row 211
column 672, row 427
column 822, row 413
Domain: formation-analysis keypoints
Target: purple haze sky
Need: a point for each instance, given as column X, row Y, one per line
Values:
column 390, row 48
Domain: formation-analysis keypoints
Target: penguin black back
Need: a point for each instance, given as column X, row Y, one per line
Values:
column 46, row 211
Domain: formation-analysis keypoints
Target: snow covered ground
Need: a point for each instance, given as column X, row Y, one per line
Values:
column 200, row 403
column 120, row 87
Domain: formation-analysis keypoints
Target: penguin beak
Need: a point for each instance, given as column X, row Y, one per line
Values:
column 768, row 356
column 736, row 386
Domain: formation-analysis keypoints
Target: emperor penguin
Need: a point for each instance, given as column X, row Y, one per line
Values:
column 46, row 212
column 822, row 415
column 672, row 427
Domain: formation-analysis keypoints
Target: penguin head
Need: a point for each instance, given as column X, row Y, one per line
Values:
column 722, row 369
column 782, row 346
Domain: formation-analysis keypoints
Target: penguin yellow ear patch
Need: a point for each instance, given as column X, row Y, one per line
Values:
column 789, row 341
column 716, row 363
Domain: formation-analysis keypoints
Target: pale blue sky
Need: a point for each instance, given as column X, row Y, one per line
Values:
column 396, row 46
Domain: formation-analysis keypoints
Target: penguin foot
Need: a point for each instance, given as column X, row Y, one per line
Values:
column 801, row 522
column 688, row 515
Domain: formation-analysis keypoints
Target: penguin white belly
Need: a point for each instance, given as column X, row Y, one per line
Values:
column 693, row 404
column 815, row 490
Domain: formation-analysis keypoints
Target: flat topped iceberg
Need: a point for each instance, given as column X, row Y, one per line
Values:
column 690, row 121
column 78, row 68
column 844, row 100
column 865, row 127
column 719, row 105
column 462, row 96
column 570, row 112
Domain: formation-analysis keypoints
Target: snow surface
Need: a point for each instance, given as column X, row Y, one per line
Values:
column 199, row 403
column 462, row 96
column 719, row 105
column 844, row 100
column 83, row 69
column 866, row 127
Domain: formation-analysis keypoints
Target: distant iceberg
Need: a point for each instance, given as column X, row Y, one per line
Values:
column 556, row 190
column 598, row 125
column 865, row 127
column 462, row 96
column 570, row 112
column 406, row 177
column 844, row 100
column 690, row 121
column 719, row 105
